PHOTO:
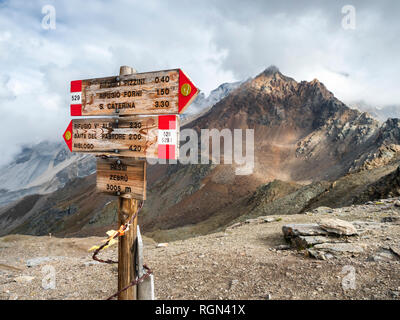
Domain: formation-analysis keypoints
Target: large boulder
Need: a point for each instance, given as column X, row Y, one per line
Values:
column 303, row 242
column 302, row 229
column 337, row 226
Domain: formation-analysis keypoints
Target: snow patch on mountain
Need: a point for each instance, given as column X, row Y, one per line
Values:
column 381, row 113
column 42, row 168
column 203, row 103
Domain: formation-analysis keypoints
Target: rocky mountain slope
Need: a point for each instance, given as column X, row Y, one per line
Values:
column 67, row 209
column 316, row 149
column 303, row 134
column 47, row 166
column 42, row 169
column 203, row 103
column 251, row 260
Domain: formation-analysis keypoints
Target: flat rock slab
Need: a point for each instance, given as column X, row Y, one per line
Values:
column 91, row 263
column 261, row 219
column 162, row 245
column 320, row 255
column 323, row 210
column 384, row 256
column 339, row 247
column 389, row 219
column 267, row 219
column 302, row 229
column 303, row 242
column 283, row 247
column 339, row 227
column 395, row 250
column 24, row 279
column 252, row 221
column 235, row 225
column 366, row 224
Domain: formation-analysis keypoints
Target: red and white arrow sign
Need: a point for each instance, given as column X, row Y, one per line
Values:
column 158, row 92
column 146, row 136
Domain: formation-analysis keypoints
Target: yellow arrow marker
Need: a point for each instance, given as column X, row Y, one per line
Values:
column 68, row 135
column 186, row 89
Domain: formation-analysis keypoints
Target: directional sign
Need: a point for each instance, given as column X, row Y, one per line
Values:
column 159, row 92
column 141, row 136
column 125, row 177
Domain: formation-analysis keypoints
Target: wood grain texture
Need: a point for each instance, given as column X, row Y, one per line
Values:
column 125, row 177
column 127, row 249
column 127, row 245
column 131, row 94
column 125, row 136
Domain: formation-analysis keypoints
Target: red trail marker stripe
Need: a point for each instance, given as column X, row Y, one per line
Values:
column 167, row 122
column 166, row 151
column 76, row 109
column 184, row 100
column 76, row 86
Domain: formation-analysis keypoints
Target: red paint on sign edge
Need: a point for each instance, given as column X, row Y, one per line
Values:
column 68, row 142
column 76, row 109
column 167, row 122
column 76, row 86
column 166, row 151
column 183, row 101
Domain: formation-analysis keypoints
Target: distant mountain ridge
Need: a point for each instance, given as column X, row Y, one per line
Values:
column 304, row 137
column 41, row 169
column 46, row 167
column 203, row 103
column 381, row 113
column 303, row 134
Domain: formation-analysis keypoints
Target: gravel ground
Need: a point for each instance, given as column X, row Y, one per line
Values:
column 240, row 263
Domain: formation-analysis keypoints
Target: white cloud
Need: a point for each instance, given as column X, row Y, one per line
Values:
column 213, row 41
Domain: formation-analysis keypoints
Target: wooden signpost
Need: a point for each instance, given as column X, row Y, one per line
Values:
column 122, row 177
column 145, row 107
column 160, row 92
column 146, row 137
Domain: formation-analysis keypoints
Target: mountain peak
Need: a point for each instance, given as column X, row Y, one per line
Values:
column 271, row 70
column 272, row 73
column 272, row 81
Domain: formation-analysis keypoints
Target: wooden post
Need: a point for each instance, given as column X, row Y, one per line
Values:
column 145, row 289
column 127, row 249
column 127, row 243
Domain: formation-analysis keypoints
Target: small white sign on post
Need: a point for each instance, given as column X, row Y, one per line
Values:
column 145, row 289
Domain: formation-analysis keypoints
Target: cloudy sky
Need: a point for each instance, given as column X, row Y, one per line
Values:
column 213, row 41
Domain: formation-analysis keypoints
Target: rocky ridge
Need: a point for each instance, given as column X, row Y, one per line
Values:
column 251, row 260
column 323, row 152
column 42, row 169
